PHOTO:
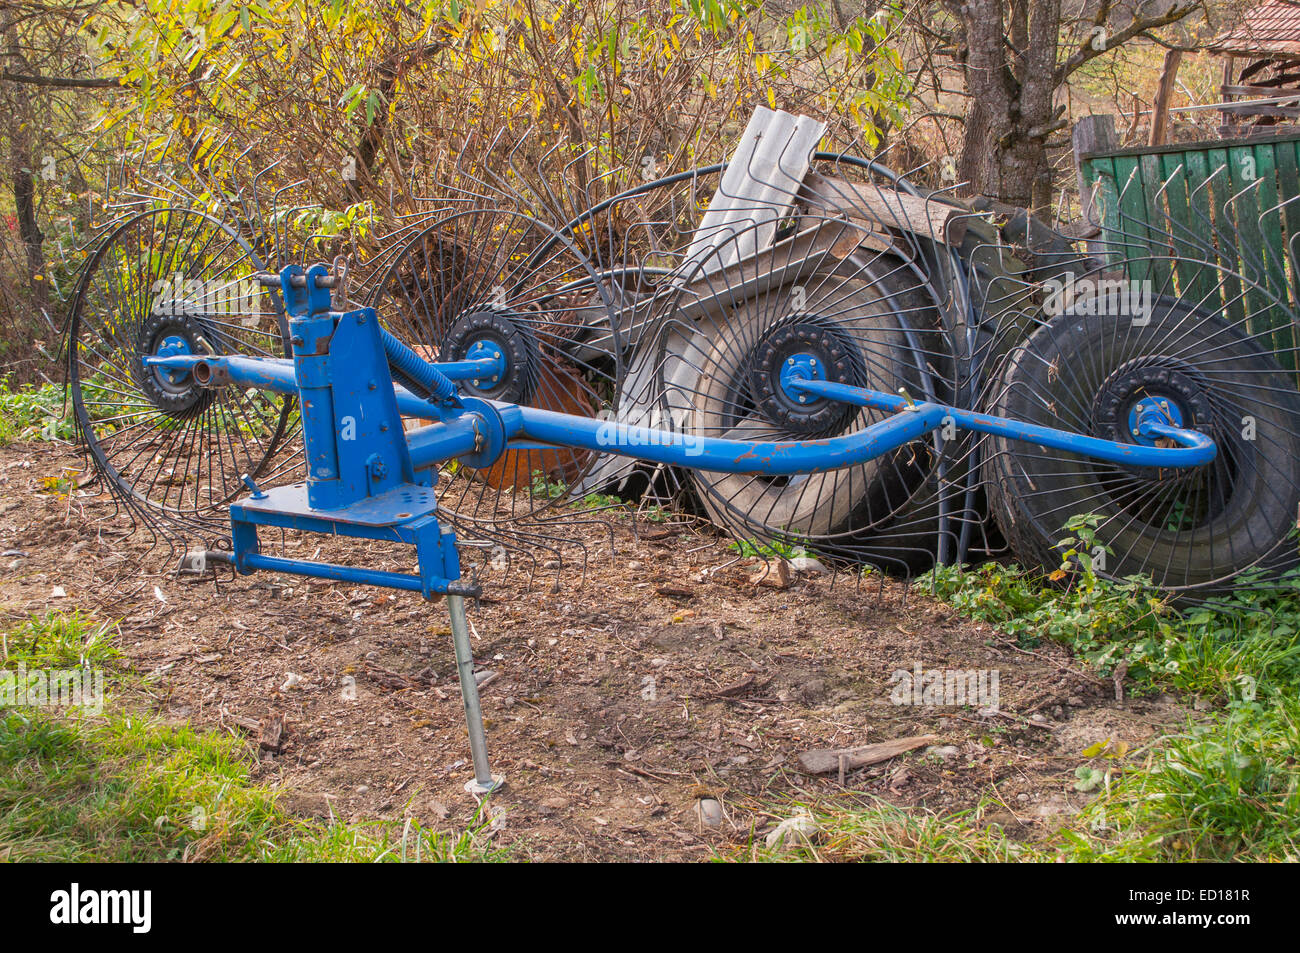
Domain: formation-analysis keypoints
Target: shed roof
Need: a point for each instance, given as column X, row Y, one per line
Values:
column 1270, row 29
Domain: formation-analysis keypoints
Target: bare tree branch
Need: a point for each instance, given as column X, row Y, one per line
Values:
column 64, row 82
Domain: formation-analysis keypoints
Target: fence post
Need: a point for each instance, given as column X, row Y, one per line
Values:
column 1091, row 134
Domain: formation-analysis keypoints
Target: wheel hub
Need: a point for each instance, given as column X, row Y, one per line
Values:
column 808, row 348
column 1156, row 409
column 500, row 336
column 171, row 389
column 1158, row 391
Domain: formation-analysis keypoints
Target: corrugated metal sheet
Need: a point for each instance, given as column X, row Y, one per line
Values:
column 1270, row 28
column 760, row 183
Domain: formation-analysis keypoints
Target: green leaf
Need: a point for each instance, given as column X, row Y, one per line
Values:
column 1089, row 778
column 1095, row 749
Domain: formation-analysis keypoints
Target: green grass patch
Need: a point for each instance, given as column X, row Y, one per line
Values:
column 771, row 549
column 33, row 413
column 124, row 787
column 1222, row 791
column 61, row 640
column 1223, row 787
column 883, row 832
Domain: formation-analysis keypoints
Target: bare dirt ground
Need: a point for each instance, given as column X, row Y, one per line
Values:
column 611, row 707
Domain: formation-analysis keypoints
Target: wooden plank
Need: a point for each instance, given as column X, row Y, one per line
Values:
column 1189, row 274
column 1273, row 251
column 1246, row 109
column 1164, row 93
column 1288, row 185
column 1132, row 237
column 1091, row 134
column 1200, row 225
column 825, row 760
column 1105, row 198
column 1266, row 134
column 1272, row 91
column 1224, row 234
column 1248, row 239
column 1158, row 237
column 879, row 207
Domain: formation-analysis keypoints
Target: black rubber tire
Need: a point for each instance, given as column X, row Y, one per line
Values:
column 1242, row 505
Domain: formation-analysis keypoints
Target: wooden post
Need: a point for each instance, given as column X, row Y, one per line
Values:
column 1092, row 134
column 1164, row 93
column 1225, row 114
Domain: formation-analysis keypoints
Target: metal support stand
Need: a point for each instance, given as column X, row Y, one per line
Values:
column 485, row 782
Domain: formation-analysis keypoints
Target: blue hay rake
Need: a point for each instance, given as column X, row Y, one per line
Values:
column 368, row 479
column 820, row 355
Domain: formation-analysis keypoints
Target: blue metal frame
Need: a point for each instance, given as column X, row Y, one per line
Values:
column 367, row 478
column 361, row 480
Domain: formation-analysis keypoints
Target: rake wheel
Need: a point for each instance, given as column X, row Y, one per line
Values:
column 174, row 281
column 827, row 290
column 498, row 279
column 1187, row 530
column 642, row 243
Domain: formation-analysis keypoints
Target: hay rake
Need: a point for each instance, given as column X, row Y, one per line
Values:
column 821, row 355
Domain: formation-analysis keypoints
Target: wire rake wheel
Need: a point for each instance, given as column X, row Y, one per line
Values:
column 827, row 291
column 643, row 242
column 175, row 281
column 1192, row 532
column 496, row 281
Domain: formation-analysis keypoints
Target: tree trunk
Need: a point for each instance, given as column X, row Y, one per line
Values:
column 23, row 181
column 1010, row 66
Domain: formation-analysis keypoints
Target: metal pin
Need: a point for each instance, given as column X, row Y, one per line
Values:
column 484, row 781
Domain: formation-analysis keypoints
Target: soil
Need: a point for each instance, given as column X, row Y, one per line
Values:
column 661, row 673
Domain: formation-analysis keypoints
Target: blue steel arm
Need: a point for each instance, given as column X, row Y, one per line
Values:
column 909, row 421
column 1197, row 449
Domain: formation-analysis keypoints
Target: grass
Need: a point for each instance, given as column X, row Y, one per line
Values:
column 885, row 833
column 1227, row 790
column 44, row 412
column 33, row 413
column 772, row 549
column 77, row 787
column 61, row 640
column 1222, row 789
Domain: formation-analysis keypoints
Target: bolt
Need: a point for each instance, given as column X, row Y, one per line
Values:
column 802, row 399
column 371, row 385
column 497, row 355
column 790, row 362
column 475, row 383
column 383, row 427
column 248, row 482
